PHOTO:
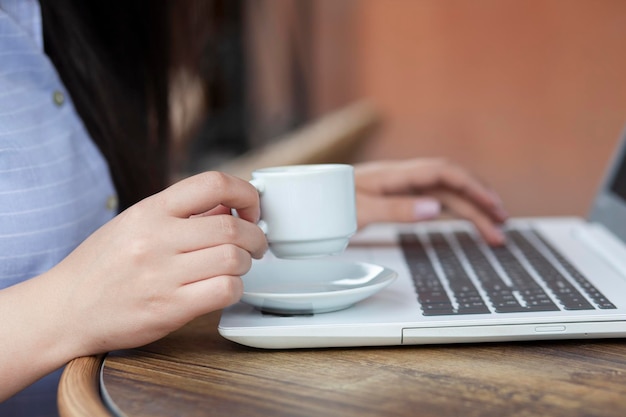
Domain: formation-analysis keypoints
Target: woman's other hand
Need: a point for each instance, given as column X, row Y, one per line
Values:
column 422, row 189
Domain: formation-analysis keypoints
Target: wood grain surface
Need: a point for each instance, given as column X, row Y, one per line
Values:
column 79, row 389
column 195, row 372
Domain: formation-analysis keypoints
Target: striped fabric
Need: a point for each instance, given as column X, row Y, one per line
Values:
column 55, row 187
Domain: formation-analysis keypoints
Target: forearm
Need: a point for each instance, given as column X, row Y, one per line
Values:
column 34, row 334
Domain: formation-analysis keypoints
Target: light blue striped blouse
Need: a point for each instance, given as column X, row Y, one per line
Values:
column 55, row 187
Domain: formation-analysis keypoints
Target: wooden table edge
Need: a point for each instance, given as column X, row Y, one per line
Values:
column 79, row 389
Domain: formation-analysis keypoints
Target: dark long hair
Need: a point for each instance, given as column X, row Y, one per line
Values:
column 115, row 58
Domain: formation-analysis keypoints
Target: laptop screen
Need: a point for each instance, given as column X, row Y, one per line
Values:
column 609, row 206
column 618, row 182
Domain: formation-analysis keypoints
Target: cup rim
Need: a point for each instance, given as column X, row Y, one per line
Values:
column 302, row 169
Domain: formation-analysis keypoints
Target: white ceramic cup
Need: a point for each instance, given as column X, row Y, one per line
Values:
column 307, row 210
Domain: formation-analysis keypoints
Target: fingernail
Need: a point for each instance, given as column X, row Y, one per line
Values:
column 502, row 213
column 499, row 236
column 426, row 209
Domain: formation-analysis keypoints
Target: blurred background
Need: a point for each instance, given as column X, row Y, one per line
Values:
column 529, row 94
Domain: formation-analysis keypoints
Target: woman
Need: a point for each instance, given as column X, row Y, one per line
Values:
column 85, row 128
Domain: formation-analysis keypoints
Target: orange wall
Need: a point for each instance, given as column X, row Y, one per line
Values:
column 531, row 94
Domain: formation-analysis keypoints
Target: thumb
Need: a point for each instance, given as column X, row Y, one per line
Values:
column 372, row 209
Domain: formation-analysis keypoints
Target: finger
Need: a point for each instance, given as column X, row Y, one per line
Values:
column 463, row 208
column 208, row 263
column 371, row 209
column 205, row 231
column 208, row 295
column 215, row 211
column 204, row 192
column 470, row 188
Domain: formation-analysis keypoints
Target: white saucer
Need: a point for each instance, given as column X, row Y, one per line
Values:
column 312, row 286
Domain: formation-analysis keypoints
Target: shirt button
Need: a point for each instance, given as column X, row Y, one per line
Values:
column 112, row 202
column 58, row 97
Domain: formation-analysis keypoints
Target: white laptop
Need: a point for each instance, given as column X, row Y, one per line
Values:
column 437, row 282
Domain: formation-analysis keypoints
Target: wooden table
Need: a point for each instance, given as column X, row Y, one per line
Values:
column 195, row 372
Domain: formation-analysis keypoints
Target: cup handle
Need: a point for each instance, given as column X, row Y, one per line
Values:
column 263, row 226
column 259, row 187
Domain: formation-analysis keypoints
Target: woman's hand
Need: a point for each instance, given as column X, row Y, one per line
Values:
column 166, row 260
column 421, row 189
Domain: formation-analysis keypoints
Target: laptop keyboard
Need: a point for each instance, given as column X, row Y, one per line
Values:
column 518, row 277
